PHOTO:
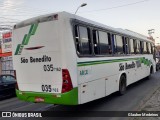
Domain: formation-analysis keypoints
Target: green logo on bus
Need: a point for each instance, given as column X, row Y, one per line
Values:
column 26, row 39
column 84, row 72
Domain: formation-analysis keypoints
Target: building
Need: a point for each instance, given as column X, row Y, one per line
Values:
column 6, row 64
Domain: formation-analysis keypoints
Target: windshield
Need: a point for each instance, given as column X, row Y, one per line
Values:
column 7, row 78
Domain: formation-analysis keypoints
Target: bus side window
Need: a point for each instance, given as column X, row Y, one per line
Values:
column 120, row 44
column 131, row 46
column 135, row 46
column 109, row 43
column 151, row 48
column 89, row 40
column 85, row 41
column 95, row 41
column 127, row 45
column 124, row 44
column 145, row 48
column 77, row 42
column 148, row 50
column 141, row 47
column 138, row 47
column 104, row 43
column 114, row 44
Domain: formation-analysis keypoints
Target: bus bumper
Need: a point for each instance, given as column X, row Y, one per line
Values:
column 68, row 98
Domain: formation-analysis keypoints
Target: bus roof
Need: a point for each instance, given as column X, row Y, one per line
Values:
column 48, row 17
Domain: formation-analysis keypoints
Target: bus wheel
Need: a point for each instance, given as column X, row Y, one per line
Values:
column 122, row 85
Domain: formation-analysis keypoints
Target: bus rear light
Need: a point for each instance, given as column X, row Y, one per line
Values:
column 66, row 83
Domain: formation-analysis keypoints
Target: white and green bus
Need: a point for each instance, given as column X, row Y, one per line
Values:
column 62, row 58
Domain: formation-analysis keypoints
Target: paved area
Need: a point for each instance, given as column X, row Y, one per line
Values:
column 151, row 103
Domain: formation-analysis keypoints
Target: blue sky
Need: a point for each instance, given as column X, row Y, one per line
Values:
column 136, row 15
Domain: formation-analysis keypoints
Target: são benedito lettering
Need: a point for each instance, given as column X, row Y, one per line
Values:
column 45, row 58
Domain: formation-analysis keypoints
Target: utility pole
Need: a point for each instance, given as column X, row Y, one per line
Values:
column 150, row 31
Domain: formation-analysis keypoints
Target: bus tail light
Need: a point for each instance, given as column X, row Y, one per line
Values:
column 67, row 83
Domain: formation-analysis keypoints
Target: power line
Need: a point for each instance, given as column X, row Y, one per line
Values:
column 116, row 6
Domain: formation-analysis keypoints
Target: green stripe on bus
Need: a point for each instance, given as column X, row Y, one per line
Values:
column 68, row 98
column 33, row 29
column 19, row 46
column 142, row 60
column 26, row 38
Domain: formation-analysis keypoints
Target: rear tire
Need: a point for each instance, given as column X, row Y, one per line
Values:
column 122, row 85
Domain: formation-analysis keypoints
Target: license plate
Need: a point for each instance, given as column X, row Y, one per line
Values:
column 38, row 99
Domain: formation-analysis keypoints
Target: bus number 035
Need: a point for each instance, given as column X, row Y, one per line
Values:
column 46, row 88
column 48, row 67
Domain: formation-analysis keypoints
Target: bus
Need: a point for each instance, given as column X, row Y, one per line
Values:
column 62, row 58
